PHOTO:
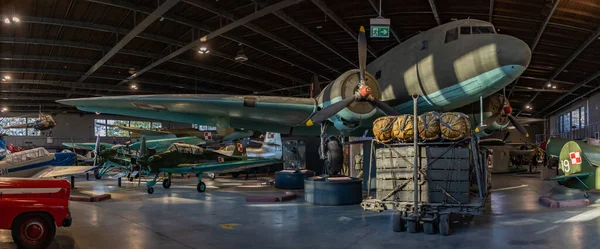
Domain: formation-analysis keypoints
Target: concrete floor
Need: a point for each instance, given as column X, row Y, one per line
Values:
column 220, row 218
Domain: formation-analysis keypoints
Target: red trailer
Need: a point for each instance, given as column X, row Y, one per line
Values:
column 33, row 208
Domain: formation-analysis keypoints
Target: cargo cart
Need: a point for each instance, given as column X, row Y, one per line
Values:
column 449, row 178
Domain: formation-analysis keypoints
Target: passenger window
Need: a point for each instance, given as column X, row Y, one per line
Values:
column 451, row 35
column 424, row 45
column 483, row 30
column 465, row 30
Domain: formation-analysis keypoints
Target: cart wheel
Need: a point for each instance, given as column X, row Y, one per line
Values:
column 166, row 183
column 150, row 190
column 398, row 224
column 586, row 195
column 429, row 227
column 444, row 224
column 97, row 176
column 411, row 226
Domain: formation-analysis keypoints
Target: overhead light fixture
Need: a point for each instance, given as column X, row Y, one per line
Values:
column 134, row 87
column 527, row 107
column 319, row 27
column 553, row 87
column 241, row 56
column 4, row 109
column 161, row 19
column 549, row 85
column 16, row 19
column 6, row 20
column 203, row 50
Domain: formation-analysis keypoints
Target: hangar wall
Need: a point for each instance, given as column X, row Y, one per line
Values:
column 592, row 105
column 79, row 128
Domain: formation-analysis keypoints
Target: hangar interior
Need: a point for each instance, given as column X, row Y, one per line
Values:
column 297, row 118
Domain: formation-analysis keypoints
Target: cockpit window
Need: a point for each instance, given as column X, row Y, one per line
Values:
column 451, row 35
column 483, row 30
column 465, row 30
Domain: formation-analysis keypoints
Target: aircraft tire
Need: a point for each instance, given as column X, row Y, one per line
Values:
column 97, row 176
column 150, row 190
column 586, row 195
column 201, row 187
column 166, row 183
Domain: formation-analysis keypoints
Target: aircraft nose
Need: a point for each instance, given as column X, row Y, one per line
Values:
column 513, row 55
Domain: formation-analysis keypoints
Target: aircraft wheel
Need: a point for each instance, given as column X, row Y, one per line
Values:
column 586, row 195
column 201, row 187
column 97, row 176
column 150, row 190
column 166, row 183
column 130, row 179
column 444, row 225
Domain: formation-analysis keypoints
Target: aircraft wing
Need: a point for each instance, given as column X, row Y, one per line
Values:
column 563, row 177
column 86, row 146
column 271, row 113
column 18, row 126
column 57, row 171
column 225, row 167
column 162, row 144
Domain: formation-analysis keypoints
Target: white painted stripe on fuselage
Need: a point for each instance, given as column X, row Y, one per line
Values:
column 9, row 191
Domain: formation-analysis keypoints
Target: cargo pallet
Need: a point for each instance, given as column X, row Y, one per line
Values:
column 446, row 176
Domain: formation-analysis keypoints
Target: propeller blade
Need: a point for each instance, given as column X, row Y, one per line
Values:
column 518, row 126
column 329, row 111
column 96, row 149
column 316, row 86
column 385, row 108
column 362, row 53
column 143, row 147
column 506, row 135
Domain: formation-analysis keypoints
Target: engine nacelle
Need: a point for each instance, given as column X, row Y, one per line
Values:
column 346, row 86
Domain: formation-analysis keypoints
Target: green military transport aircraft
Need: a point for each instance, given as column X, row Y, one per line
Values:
column 449, row 66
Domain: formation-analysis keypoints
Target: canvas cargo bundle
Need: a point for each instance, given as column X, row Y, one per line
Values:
column 382, row 129
column 429, row 126
column 454, row 126
column 403, row 128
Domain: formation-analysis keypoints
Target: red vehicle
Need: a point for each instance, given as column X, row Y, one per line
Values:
column 32, row 209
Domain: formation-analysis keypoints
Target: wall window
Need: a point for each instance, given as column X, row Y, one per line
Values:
column 104, row 131
column 451, row 35
column 582, row 117
column 564, row 122
column 141, row 124
column 575, row 119
column 12, row 121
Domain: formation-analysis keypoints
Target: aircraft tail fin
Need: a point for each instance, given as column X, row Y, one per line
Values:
column 240, row 149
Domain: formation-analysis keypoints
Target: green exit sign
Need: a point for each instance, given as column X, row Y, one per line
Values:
column 380, row 31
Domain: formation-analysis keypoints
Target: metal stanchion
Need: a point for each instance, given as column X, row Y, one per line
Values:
column 72, row 182
column 416, row 161
column 119, row 182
